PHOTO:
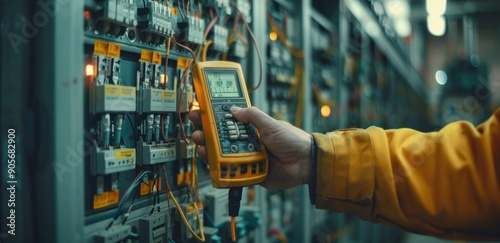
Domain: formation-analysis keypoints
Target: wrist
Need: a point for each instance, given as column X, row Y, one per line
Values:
column 305, row 168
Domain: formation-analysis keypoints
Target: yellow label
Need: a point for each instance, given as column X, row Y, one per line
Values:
column 184, row 178
column 156, row 58
column 101, row 201
column 181, row 178
column 146, row 56
column 148, row 188
column 112, row 90
column 125, row 153
column 114, row 50
column 117, row 90
column 169, row 94
column 174, row 11
column 101, row 47
column 113, row 197
column 156, row 93
column 127, row 91
column 106, row 199
column 183, row 62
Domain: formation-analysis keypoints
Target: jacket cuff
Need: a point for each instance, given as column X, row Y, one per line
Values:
column 345, row 172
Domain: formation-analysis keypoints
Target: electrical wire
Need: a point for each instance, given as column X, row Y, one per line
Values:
column 135, row 183
column 233, row 229
column 132, row 126
column 283, row 38
column 198, row 52
column 256, row 47
column 167, row 53
column 184, row 81
column 205, row 50
column 130, row 207
column 200, row 237
column 210, row 25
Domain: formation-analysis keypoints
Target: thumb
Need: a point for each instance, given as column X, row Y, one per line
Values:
column 252, row 115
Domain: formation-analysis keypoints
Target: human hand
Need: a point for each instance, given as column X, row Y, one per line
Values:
column 288, row 148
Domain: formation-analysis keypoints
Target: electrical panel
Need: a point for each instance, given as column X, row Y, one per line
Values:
column 142, row 176
column 284, row 75
column 143, row 180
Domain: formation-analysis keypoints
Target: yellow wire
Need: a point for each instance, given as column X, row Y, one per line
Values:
column 282, row 238
column 198, row 52
column 282, row 37
column 205, row 50
column 200, row 238
column 233, row 229
column 194, row 174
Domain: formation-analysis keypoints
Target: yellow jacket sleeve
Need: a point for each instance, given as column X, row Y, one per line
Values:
column 445, row 183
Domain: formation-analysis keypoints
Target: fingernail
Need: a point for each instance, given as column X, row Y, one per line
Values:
column 234, row 109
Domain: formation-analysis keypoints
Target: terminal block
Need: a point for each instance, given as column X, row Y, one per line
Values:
column 115, row 16
column 156, row 22
column 108, row 161
column 245, row 8
column 220, row 35
column 156, row 101
column 238, row 50
column 117, row 233
column 184, row 151
column 192, row 30
column 153, row 228
column 221, row 4
column 149, row 154
column 192, row 218
column 110, row 98
column 186, row 99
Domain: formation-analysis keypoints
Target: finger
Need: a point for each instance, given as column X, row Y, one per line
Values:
column 202, row 152
column 195, row 116
column 198, row 137
column 252, row 115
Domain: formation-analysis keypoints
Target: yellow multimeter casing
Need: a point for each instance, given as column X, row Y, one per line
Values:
column 235, row 154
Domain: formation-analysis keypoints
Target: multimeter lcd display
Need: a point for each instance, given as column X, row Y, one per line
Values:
column 223, row 83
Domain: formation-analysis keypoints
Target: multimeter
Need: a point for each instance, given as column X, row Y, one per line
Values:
column 236, row 156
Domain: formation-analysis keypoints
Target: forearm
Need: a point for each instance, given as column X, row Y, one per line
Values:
column 444, row 183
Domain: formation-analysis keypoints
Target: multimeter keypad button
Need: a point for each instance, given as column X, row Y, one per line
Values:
column 223, row 172
column 261, row 167
column 243, row 169
column 231, row 127
column 229, row 123
column 234, row 138
column 243, row 132
column 233, row 132
column 234, row 148
column 225, row 107
column 228, row 116
column 243, row 137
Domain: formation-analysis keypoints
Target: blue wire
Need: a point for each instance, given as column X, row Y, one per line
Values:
column 128, row 192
